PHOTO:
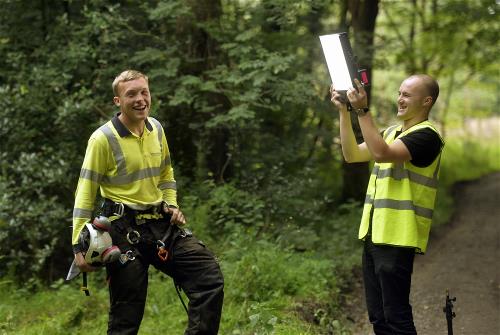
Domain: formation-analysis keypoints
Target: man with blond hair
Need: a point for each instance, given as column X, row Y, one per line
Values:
column 400, row 198
column 129, row 161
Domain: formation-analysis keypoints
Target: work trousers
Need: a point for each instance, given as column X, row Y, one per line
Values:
column 191, row 265
column 387, row 274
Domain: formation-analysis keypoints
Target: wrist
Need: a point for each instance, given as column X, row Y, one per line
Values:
column 361, row 111
column 343, row 109
column 167, row 206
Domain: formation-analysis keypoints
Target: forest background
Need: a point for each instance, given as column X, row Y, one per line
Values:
column 241, row 88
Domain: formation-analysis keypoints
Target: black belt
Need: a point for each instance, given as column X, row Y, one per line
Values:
column 111, row 208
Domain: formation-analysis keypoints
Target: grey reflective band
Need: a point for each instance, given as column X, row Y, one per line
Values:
column 368, row 200
column 117, row 151
column 389, row 131
column 159, row 128
column 403, row 205
column 168, row 185
column 399, row 173
column 165, row 162
column 438, row 165
column 82, row 213
column 400, row 205
column 122, row 177
column 130, row 178
column 91, row 175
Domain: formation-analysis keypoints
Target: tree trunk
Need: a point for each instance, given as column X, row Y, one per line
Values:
column 213, row 154
column 363, row 18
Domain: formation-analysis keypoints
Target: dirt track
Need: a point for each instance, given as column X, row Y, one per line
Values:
column 462, row 257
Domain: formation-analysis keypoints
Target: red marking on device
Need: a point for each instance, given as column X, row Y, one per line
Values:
column 364, row 78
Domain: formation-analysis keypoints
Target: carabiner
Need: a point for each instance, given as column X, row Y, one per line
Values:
column 162, row 251
column 135, row 238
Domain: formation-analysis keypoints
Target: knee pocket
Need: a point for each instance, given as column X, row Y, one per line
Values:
column 191, row 246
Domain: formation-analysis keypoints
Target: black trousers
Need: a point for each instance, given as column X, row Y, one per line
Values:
column 387, row 274
column 192, row 266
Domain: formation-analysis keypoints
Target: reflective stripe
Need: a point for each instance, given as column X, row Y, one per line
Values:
column 122, row 177
column 165, row 162
column 82, row 213
column 404, row 205
column 168, row 185
column 96, row 177
column 368, row 200
column 399, row 205
column 130, row 178
column 438, row 165
column 399, row 173
column 159, row 128
column 115, row 148
column 389, row 131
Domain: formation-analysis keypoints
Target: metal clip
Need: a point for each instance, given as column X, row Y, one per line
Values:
column 185, row 232
column 120, row 210
column 128, row 256
column 133, row 237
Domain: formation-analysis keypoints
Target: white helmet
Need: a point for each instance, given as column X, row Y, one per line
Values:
column 98, row 245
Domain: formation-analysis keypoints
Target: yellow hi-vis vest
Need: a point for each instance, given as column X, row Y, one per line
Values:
column 402, row 197
column 134, row 170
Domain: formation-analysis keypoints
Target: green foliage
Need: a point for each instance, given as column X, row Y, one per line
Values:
column 266, row 289
column 464, row 158
column 49, row 101
column 224, row 212
column 59, row 310
column 467, row 158
column 431, row 31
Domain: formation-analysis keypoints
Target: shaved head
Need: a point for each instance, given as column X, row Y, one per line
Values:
column 430, row 85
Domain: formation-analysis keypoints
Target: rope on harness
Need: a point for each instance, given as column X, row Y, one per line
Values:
column 178, row 289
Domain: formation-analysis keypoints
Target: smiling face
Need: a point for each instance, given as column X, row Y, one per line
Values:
column 133, row 99
column 414, row 102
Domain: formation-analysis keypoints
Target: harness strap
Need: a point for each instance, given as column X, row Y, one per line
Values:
column 110, row 208
column 84, row 287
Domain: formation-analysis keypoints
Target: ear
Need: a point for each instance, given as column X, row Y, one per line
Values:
column 428, row 101
column 116, row 101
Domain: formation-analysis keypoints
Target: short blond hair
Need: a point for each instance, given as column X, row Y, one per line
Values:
column 126, row 75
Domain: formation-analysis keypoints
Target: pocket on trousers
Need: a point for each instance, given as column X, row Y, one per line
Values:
column 189, row 245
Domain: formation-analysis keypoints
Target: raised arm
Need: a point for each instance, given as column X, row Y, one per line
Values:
column 377, row 147
column 350, row 149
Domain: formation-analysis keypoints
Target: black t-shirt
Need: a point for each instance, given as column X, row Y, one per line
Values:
column 424, row 146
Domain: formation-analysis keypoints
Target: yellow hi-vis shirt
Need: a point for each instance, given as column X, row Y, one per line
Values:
column 133, row 170
column 400, row 198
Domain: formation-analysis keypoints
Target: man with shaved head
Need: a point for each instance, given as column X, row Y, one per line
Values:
column 400, row 198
